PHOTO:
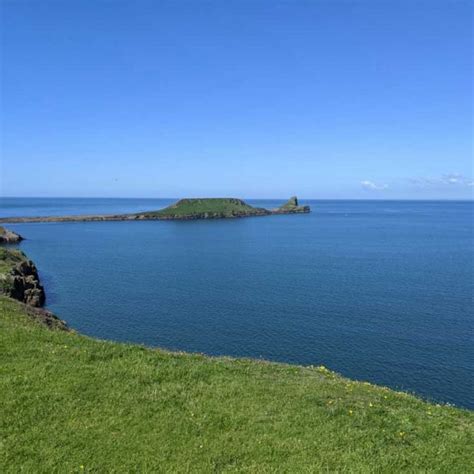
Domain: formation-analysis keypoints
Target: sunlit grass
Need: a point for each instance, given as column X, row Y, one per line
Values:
column 70, row 403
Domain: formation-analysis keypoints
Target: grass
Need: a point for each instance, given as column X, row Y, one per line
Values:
column 70, row 403
column 292, row 203
column 9, row 258
column 210, row 206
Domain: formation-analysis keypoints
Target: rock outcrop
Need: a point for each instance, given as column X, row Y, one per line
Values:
column 26, row 284
column 9, row 237
column 19, row 278
column 292, row 202
column 292, row 207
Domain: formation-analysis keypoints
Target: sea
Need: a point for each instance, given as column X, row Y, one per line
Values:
column 379, row 291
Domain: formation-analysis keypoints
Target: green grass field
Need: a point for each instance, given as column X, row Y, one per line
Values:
column 70, row 403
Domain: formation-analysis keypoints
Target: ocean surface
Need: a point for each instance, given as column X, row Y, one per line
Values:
column 376, row 290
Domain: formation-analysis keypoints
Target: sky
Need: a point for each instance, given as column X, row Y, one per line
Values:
column 340, row 99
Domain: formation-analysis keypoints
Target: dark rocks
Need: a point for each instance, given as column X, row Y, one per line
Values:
column 292, row 202
column 21, row 281
column 292, row 207
column 26, row 284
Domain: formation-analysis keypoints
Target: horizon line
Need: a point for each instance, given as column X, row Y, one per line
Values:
column 248, row 198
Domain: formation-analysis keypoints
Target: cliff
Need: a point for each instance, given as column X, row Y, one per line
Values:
column 19, row 278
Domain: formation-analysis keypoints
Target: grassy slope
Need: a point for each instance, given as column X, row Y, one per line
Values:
column 70, row 401
column 188, row 207
column 9, row 258
column 292, row 203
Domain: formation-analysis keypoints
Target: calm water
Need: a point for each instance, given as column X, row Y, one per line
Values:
column 379, row 291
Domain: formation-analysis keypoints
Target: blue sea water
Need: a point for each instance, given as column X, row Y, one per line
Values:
column 376, row 290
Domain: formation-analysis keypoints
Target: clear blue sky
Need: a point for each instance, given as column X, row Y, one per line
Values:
column 324, row 99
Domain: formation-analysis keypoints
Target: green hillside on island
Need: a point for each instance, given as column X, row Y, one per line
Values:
column 209, row 208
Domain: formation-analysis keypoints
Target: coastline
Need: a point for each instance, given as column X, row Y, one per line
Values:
column 35, row 307
column 106, row 406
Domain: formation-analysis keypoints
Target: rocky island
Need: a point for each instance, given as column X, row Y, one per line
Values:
column 184, row 209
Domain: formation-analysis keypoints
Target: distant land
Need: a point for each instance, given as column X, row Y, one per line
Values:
column 184, row 209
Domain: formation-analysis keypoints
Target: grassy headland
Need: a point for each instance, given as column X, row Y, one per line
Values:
column 208, row 208
column 71, row 403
